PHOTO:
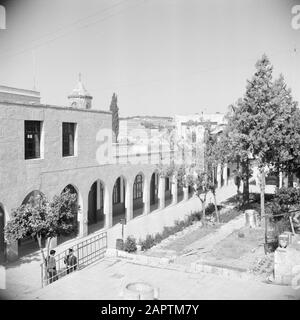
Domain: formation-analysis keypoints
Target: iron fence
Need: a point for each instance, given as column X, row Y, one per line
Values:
column 85, row 253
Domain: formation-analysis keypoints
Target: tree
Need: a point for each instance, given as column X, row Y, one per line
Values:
column 115, row 115
column 41, row 219
column 264, row 125
column 202, row 184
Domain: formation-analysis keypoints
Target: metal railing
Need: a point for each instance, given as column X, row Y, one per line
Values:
column 85, row 253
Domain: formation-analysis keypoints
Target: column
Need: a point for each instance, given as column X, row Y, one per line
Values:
column 185, row 193
column 128, row 204
column 83, row 216
column 161, row 192
column 107, row 209
column 146, row 197
column 219, row 173
column 53, row 243
column 12, row 251
column 174, row 190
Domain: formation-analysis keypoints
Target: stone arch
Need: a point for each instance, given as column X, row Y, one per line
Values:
column 139, row 191
column 168, row 190
column 96, row 203
column 154, row 182
column 180, row 192
column 31, row 196
column 119, row 199
column 73, row 189
column 29, row 245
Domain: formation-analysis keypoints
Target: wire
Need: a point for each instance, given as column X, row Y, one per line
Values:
column 102, row 19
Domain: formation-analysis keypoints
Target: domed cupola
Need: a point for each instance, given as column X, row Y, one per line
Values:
column 80, row 97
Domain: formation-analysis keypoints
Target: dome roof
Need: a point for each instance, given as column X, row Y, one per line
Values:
column 80, row 90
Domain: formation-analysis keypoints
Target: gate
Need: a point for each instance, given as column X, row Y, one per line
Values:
column 86, row 252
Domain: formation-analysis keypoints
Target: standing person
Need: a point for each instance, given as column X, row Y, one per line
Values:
column 51, row 266
column 71, row 261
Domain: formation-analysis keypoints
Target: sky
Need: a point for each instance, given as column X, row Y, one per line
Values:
column 161, row 57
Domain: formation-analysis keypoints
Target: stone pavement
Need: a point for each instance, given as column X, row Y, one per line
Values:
column 24, row 275
column 106, row 278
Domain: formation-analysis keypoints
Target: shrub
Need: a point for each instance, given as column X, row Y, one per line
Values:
column 179, row 226
column 130, row 244
column 158, row 238
column 188, row 221
column 196, row 216
column 166, row 232
column 148, row 242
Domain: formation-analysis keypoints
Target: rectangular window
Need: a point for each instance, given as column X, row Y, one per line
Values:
column 68, row 139
column 32, row 139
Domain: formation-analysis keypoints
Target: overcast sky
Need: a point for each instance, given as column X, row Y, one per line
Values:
column 161, row 57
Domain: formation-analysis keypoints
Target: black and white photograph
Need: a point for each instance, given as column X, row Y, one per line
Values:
column 149, row 150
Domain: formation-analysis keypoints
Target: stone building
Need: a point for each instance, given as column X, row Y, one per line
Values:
column 46, row 149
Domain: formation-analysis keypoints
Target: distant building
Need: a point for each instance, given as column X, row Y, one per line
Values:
column 193, row 125
column 142, row 128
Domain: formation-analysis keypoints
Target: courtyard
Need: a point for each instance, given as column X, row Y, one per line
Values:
column 106, row 279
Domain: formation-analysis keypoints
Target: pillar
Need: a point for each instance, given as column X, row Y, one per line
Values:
column 219, row 173
column 146, row 197
column 83, row 216
column 12, row 251
column 128, row 204
column 174, row 190
column 161, row 192
column 185, row 193
column 107, row 209
column 53, row 243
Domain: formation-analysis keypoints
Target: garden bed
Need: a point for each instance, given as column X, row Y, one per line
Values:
column 242, row 249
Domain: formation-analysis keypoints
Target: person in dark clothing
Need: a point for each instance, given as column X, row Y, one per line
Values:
column 70, row 261
column 51, row 266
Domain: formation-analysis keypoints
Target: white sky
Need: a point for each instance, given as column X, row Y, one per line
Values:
column 161, row 57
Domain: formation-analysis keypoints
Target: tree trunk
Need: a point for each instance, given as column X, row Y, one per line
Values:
column 262, row 202
column 216, row 207
column 246, row 182
column 48, row 245
column 203, row 210
column 203, row 213
column 39, row 239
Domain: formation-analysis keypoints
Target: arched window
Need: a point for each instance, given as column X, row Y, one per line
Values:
column 138, row 187
column 167, row 184
column 116, row 191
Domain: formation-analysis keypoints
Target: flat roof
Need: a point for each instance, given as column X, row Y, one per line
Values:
column 45, row 106
column 6, row 89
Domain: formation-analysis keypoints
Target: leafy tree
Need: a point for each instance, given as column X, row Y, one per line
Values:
column 264, row 125
column 285, row 208
column 41, row 219
column 115, row 115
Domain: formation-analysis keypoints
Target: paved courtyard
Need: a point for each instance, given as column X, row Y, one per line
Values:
column 105, row 280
